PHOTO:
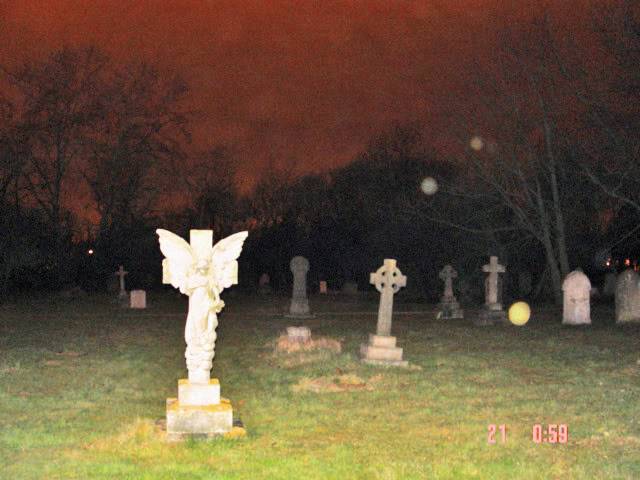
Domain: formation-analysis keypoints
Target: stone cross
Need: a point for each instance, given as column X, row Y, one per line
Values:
column 388, row 280
column 121, row 273
column 299, row 303
column 447, row 274
column 491, row 293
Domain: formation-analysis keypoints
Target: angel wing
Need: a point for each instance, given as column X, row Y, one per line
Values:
column 224, row 265
column 179, row 259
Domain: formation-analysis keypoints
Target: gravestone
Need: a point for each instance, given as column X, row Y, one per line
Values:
column 323, row 287
column 576, row 290
column 381, row 349
column 138, row 299
column 202, row 272
column 298, row 334
column 122, row 294
column 449, row 306
column 610, row 284
column 628, row 297
column 492, row 313
column 264, row 284
column 299, row 307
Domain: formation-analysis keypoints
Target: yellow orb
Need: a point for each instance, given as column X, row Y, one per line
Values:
column 519, row 313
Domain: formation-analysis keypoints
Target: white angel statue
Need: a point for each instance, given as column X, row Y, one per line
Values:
column 202, row 272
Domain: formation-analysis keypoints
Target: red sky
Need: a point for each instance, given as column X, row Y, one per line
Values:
column 299, row 84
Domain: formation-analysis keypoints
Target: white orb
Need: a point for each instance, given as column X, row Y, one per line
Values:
column 476, row 143
column 429, row 185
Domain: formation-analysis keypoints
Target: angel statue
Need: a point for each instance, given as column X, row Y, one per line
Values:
column 202, row 272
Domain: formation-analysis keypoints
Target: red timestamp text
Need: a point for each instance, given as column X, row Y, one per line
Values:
column 550, row 433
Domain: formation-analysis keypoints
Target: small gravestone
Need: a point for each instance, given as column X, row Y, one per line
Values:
column 576, row 290
column 299, row 307
column 350, row 288
column 264, row 284
column 449, row 306
column 298, row 334
column 138, row 299
column 628, row 297
column 323, row 287
column 609, row 285
column 492, row 312
column 381, row 349
column 122, row 294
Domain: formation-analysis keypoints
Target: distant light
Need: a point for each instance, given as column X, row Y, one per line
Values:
column 627, row 262
column 90, row 251
column 429, row 186
column 476, row 143
column 608, row 263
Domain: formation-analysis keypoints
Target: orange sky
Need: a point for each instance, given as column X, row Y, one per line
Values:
column 299, row 84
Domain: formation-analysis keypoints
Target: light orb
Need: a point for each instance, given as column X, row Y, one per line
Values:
column 476, row 143
column 90, row 251
column 429, row 186
column 519, row 313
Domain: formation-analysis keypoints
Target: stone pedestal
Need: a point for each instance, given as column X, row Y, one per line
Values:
column 382, row 350
column 299, row 334
column 448, row 309
column 490, row 316
column 138, row 299
column 198, row 412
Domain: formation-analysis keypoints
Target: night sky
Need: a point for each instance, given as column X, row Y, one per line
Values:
column 299, row 85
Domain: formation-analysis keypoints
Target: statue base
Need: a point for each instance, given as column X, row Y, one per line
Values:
column 450, row 310
column 382, row 350
column 198, row 412
column 489, row 316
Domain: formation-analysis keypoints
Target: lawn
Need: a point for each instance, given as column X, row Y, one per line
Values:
column 83, row 385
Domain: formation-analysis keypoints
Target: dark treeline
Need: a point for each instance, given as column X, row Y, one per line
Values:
column 95, row 155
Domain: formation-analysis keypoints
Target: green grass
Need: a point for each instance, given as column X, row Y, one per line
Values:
column 83, row 387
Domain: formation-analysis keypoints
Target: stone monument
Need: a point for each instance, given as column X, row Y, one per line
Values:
column 628, row 297
column 322, row 288
column 449, row 306
column 576, row 290
column 298, row 334
column 381, row 349
column 492, row 312
column 264, row 284
column 299, row 307
column 138, row 299
column 122, row 294
column 202, row 272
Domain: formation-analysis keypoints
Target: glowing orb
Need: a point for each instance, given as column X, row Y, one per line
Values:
column 476, row 143
column 429, row 185
column 90, row 252
column 519, row 313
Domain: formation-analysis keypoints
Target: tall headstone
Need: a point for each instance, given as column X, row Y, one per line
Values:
column 576, row 290
column 323, row 287
column 122, row 294
column 202, row 272
column 138, row 299
column 299, row 307
column 492, row 312
column 628, row 297
column 381, row 349
column 449, row 306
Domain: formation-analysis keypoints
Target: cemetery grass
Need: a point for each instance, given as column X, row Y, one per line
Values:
column 83, row 387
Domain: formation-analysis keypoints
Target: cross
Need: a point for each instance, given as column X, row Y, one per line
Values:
column 493, row 268
column 447, row 274
column 388, row 280
column 121, row 273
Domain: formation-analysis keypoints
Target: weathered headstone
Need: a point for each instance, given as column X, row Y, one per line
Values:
column 449, row 306
column 610, row 283
column 264, row 284
column 122, row 294
column 138, row 299
column 298, row 334
column 202, row 272
column 628, row 297
column 492, row 312
column 323, row 287
column 299, row 307
column 381, row 349
column 576, row 290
